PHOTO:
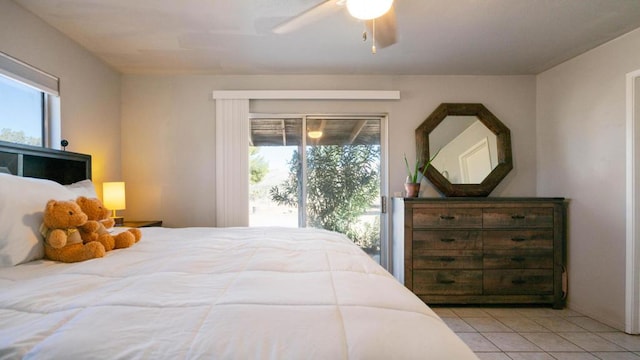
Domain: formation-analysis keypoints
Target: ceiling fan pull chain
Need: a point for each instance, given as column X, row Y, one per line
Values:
column 373, row 36
column 364, row 33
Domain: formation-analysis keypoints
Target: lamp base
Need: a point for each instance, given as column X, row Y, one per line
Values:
column 119, row 220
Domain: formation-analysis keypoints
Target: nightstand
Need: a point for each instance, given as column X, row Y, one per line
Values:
column 139, row 224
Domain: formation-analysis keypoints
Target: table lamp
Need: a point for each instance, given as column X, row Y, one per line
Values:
column 114, row 199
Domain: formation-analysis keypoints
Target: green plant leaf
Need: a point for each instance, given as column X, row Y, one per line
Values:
column 413, row 176
column 408, row 168
column 432, row 158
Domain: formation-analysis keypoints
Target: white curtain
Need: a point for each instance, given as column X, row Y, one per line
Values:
column 232, row 162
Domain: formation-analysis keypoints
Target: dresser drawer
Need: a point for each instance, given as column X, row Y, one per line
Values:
column 518, row 239
column 447, row 218
column 456, row 259
column 541, row 217
column 447, row 282
column 447, row 239
column 523, row 282
column 518, row 259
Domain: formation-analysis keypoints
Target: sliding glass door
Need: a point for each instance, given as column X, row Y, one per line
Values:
column 319, row 171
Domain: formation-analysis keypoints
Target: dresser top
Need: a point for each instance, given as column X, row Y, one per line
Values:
column 482, row 199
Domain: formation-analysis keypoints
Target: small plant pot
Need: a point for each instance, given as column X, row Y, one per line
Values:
column 413, row 189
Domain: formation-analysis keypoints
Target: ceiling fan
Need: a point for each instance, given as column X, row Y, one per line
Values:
column 379, row 17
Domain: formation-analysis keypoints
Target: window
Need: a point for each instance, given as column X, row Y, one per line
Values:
column 21, row 113
column 29, row 104
column 318, row 171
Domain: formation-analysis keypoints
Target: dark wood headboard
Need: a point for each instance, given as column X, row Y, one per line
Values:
column 33, row 161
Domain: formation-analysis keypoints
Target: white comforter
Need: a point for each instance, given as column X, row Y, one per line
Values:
column 243, row 293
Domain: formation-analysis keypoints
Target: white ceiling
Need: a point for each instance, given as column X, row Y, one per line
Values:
column 470, row 37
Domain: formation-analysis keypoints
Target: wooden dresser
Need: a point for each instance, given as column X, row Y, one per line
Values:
column 481, row 250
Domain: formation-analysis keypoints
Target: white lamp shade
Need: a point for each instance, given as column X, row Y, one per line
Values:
column 368, row 9
column 113, row 195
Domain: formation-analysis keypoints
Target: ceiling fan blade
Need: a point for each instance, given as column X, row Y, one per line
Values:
column 386, row 29
column 310, row 16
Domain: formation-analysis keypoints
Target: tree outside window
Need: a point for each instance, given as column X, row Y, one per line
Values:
column 343, row 181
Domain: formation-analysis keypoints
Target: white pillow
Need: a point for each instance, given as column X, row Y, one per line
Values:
column 83, row 188
column 22, row 202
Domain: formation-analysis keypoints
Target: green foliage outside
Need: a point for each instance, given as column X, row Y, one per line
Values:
column 258, row 169
column 19, row 137
column 342, row 183
column 258, row 166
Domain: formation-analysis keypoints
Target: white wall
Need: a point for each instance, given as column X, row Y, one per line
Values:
column 581, row 155
column 89, row 89
column 168, row 127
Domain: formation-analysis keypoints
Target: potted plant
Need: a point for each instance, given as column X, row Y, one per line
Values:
column 412, row 184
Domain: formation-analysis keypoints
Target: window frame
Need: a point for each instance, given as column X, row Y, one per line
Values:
column 48, row 85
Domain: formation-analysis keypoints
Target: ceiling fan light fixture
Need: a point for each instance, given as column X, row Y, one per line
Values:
column 368, row 9
column 315, row 134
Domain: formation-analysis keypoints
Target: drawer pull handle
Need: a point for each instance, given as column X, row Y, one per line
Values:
column 517, row 217
column 447, row 259
column 518, row 259
column 447, row 240
column 518, row 281
column 446, row 281
column 447, row 217
column 518, row 239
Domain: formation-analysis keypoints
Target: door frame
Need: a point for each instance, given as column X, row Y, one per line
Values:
column 385, row 231
column 463, row 159
column 632, row 296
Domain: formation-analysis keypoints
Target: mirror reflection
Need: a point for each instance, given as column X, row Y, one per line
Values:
column 468, row 149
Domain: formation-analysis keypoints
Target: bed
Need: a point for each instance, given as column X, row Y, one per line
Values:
column 192, row 293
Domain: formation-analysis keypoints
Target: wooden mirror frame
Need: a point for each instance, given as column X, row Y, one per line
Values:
column 503, row 135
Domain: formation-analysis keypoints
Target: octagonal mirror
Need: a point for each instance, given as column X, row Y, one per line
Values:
column 473, row 147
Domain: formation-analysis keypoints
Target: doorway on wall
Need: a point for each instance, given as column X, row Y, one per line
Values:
column 632, row 321
column 322, row 171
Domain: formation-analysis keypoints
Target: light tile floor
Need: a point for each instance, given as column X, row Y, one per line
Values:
column 538, row 334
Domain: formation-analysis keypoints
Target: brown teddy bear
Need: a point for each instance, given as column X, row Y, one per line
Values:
column 62, row 238
column 98, row 223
